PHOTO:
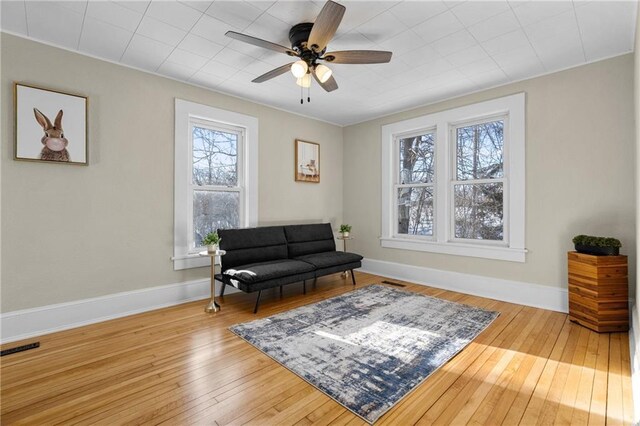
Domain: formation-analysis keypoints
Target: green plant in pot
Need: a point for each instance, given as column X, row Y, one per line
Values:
column 344, row 230
column 212, row 241
column 599, row 246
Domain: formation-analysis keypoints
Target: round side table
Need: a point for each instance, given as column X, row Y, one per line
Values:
column 213, row 306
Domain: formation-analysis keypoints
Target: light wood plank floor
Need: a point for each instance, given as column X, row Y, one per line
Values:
column 181, row 366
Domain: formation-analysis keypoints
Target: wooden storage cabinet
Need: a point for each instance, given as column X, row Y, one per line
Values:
column 598, row 292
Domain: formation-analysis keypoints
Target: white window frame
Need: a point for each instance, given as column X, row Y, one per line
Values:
column 186, row 114
column 239, row 188
column 397, row 185
column 453, row 138
column 513, row 247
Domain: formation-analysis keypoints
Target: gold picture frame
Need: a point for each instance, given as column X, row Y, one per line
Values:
column 307, row 161
column 50, row 126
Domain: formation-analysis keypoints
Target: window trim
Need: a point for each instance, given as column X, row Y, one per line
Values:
column 514, row 249
column 185, row 113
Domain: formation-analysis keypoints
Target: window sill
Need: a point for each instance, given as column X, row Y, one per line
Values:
column 457, row 249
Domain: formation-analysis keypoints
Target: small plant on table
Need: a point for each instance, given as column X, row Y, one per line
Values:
column 212, row 241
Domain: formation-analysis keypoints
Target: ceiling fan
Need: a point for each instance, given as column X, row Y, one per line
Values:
column 309, row 44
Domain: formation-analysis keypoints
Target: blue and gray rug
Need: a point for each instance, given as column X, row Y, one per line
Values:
column 368, row 348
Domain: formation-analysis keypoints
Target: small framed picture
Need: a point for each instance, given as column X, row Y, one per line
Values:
column 307, row 156
column 51, row 126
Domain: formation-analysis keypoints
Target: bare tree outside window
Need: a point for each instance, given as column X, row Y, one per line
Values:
column 478, row 190
column 415, row 188
column 216, row 196
column 215, row 157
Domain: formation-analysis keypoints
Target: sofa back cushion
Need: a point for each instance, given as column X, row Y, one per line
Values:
column 252, row 245
column 309, row 239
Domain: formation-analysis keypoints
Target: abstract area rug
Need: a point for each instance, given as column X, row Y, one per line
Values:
column 368, row 348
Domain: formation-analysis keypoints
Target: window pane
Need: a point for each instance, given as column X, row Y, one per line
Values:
column 415, row 211
column 479, row 211
column 215, row 157
column 479, row 151
column 213, row 210
column 416, row 159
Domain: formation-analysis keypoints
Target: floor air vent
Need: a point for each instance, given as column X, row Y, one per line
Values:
column 20, row 349
column 392, row 283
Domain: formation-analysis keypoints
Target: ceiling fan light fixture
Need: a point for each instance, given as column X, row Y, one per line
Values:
column 323, row 73
column 304, row 81
column 299, row 69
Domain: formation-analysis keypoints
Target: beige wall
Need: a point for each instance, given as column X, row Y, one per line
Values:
column 636, row 74
column 71, row 232
column 634, row 335
column 579, row 172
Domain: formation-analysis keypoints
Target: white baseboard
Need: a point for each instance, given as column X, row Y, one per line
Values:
column 522, row 293
column 23, row 324
column 27, row 323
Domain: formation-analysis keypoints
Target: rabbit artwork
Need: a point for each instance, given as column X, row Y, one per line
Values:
column 55, row 144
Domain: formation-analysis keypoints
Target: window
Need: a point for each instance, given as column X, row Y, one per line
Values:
column 477, row 188
column 453, row 181
column 415, row 187
column 216, row 177
column 216, row 182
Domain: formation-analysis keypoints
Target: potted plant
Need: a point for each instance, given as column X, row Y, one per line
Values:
column 344, row 230
column 599, row 246
column 212, row 241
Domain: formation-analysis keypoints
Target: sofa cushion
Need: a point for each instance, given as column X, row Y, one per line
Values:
column 256, row 272
column 309, row 239
column 252, row 245
column 328, row 259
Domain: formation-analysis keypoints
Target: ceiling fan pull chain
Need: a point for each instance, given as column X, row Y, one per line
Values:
column 309, row 94
column 301, row 95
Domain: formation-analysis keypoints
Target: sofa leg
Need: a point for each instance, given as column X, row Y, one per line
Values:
column 255, row 310
column 315, row 280
column 304, row 287
column 280, row 291
column 222, row 289
column 353, row 277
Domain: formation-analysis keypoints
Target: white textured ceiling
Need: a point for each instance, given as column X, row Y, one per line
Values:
column 441, row 48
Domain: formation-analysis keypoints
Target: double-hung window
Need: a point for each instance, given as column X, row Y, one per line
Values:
column 215, row 176
column 217, row 180
column 453, row 181
column 414, row 186
column 477, row 187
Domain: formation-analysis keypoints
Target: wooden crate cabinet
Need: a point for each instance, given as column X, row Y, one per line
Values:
column 598, row 292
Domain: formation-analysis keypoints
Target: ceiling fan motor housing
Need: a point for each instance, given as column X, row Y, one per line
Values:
column 299, row 36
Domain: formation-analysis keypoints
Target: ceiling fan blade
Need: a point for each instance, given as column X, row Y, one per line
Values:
column 273, row 73
column 325, row 26
column 260, row 43
column 330, row 85
column 358, row 57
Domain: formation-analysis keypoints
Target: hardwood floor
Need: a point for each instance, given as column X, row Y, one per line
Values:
column 179, row 365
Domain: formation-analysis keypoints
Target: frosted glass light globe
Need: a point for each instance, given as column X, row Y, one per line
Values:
column 304, row 81
column 323, row 73
column 299, row 69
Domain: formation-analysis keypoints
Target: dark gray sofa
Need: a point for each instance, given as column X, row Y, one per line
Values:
column 273, row 256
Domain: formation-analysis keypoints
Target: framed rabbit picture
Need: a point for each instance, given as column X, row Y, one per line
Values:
column 51, row 126
column 307, row 166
